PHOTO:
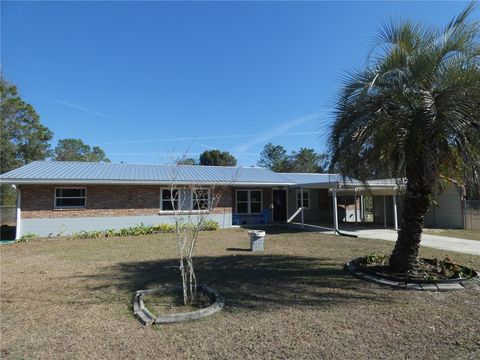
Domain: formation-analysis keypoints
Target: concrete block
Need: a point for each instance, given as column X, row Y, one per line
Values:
column 413, row 286
column 449, row 286
column 429, row 287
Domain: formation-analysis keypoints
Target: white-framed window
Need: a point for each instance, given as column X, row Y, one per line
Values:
column 201, row 199
column 306, row 199
column 70, row 198
column 167, row 201
column 249, row 201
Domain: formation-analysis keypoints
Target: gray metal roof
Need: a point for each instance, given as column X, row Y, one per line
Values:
column 311, row 178
column 94, row 172
column 73, row 172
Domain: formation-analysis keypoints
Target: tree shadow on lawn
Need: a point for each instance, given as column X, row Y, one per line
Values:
column 252, row 281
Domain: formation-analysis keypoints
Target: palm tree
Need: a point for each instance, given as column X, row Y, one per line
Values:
column 414, row 113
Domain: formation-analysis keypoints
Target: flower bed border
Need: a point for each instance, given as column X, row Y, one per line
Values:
column 420, row 285
column 147, row 318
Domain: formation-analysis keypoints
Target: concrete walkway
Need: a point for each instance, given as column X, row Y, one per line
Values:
column 433, row 241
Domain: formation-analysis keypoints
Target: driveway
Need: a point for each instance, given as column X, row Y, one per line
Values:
column 433, row 241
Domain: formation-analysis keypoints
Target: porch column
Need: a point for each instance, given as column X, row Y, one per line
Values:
column 19, row 214
column 385, row 211
column 335, row 213
column 355, row 203
column 362, row 210
column 395, row 211
column 301, row 204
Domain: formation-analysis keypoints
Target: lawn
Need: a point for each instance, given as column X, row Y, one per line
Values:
column 461, row 234
column 67, row 299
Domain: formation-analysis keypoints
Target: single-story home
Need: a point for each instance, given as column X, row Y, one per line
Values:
column 61, row 198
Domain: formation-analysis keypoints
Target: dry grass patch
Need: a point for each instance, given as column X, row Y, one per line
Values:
column 456, row 233
column 72, row 299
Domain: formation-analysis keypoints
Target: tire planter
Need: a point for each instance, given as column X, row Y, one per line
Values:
column 420, row 285
column 147, row 318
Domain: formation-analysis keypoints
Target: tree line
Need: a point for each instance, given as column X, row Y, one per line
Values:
column 273, row 157
column 23, row 138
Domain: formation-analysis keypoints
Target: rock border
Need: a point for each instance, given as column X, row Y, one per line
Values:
column 426, row 285
column 147, row 318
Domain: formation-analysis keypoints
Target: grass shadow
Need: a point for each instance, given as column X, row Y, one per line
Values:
column 251, row 281
column 239, row 249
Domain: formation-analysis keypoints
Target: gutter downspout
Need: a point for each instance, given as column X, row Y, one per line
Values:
column 335, row 214
column 18, row 225
column 301, row 202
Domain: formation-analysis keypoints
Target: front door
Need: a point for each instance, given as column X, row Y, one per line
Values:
column 279, row 205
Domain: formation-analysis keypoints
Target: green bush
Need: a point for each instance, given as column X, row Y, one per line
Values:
column 27, row 237
column 164, row 228
column 142, row 229
column 210, row 225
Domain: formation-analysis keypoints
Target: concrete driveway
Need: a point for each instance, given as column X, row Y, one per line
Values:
column 432, row 241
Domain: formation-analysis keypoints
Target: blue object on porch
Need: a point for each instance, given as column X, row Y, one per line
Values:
column 235, row 219
column 264, row 217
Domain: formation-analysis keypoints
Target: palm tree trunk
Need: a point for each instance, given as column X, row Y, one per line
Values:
column 416, row 202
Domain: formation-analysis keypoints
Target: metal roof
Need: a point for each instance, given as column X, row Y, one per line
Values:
column 74, row 172
column 99, row 172
column 311, row 178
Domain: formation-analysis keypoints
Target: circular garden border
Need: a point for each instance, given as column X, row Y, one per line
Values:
column 147, row 318
column 421, row 285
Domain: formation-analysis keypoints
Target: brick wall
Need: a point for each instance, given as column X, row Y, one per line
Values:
column 105, row 200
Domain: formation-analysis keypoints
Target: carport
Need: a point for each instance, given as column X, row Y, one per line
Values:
column 347, row 203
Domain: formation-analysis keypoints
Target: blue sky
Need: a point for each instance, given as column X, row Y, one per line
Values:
column 150, row 80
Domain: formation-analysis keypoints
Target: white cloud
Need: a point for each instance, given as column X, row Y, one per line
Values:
column 281, row 130
column 82, row 108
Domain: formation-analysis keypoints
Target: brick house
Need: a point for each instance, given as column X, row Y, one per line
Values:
column 60, row 198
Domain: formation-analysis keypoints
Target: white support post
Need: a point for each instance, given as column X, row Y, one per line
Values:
column 395, row 219
column 19, row 214
column 362, row 210
column 335, row 213
column 355, row 203
column 385, row 211
column 301, row 204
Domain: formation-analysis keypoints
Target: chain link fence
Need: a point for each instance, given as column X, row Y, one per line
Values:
column 472, row 214
column 8, row 215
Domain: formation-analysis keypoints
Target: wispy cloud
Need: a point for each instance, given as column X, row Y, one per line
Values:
column 82, row 108
column 209, row 137
column 280, row 130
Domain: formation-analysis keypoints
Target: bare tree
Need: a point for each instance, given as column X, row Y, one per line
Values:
column 191, row 205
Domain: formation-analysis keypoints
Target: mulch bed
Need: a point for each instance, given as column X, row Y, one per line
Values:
column 425, row 270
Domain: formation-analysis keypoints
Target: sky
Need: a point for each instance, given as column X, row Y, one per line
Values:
column 152, row 81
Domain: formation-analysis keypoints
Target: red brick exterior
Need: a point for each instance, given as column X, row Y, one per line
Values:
column 107, row 200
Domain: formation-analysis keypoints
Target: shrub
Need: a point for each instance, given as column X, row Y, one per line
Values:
column 27, row 237
column 164, row 228
column 141, row 229
column 210, row 225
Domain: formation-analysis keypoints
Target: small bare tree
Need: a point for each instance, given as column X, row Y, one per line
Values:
column 191, row 205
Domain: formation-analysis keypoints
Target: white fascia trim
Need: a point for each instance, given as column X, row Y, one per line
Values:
column 134, row 182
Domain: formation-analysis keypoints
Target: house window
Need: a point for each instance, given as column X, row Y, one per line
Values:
column 66, row 198
column 167, row 201
column 306, row 199
column 249, row 201
column 201, row 199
